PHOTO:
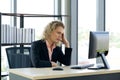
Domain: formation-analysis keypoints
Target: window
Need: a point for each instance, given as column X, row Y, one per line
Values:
column 112, row 25
column 36, row 7
column 86, row 23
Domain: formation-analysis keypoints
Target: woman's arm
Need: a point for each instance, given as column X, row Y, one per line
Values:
column 65, row 58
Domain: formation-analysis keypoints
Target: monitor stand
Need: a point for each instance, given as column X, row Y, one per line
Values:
column 101, row 62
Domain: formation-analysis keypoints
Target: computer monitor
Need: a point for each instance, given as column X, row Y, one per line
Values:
column 98, row 48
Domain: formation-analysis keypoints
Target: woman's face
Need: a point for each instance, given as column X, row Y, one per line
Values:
column 56, row 35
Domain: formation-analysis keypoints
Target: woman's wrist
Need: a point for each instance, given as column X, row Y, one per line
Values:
column 67, row 45
column 53, row 64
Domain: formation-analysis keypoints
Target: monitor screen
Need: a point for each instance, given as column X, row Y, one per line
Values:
column 99, row 45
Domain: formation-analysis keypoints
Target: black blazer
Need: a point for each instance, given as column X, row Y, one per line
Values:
column 40, row 58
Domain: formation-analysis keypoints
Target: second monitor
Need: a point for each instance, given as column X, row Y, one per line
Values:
column 99, row 47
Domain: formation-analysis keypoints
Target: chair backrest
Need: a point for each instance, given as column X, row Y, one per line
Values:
column 18, row 57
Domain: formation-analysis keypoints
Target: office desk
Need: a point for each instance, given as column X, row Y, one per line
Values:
column 67, row 73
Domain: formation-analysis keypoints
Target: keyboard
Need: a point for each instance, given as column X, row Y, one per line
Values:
column 82, row 66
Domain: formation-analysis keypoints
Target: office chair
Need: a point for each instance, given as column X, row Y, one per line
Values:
column 18, row 57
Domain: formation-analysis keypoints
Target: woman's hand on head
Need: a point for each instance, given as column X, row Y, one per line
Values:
column 65, row 41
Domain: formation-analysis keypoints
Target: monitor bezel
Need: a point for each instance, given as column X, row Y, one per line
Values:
column 93, row 44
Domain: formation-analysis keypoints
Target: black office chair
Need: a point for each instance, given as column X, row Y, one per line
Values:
column 18, row 57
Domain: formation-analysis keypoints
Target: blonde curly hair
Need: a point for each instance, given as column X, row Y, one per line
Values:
column 51, row 27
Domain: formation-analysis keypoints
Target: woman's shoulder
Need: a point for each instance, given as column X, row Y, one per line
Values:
column 38, row 41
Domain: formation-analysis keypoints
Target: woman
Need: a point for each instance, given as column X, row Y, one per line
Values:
column 47, row 51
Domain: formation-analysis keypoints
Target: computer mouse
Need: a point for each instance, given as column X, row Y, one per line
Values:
column 58, row 68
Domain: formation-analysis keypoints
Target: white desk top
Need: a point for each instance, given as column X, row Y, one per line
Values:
column 45, row 73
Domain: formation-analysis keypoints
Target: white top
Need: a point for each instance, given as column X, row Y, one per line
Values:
column 45, row 73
